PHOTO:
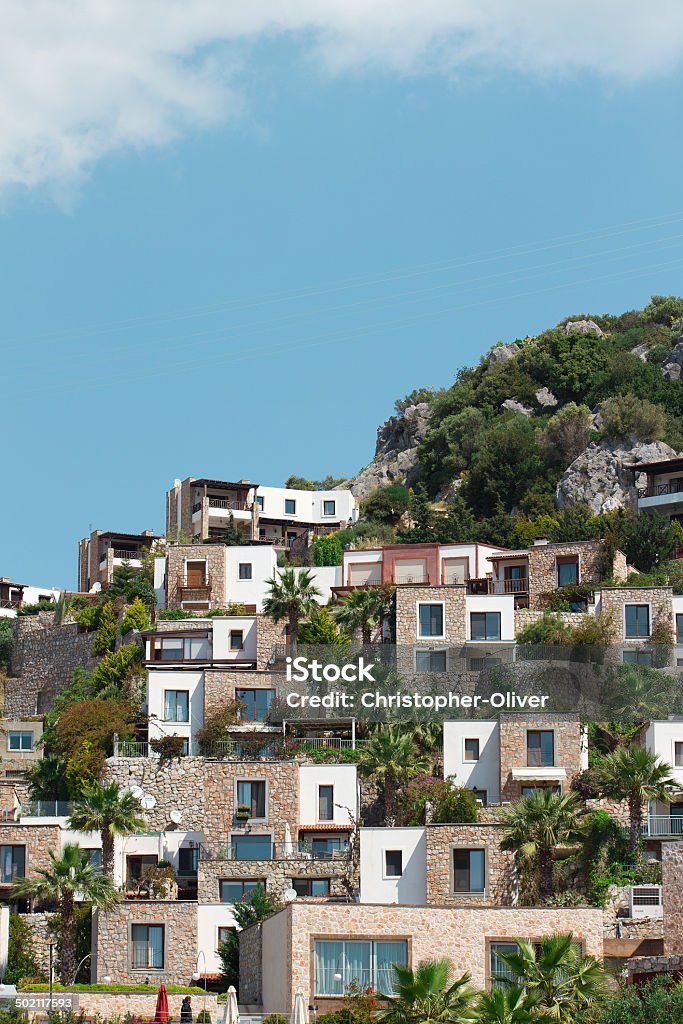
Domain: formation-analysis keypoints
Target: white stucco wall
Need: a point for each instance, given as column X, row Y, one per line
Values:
column 158, row 681
column 342, row 777
column 324, row 577
column 263, row 560
column 502, row 603
column 211, row 917
column 223, row 626
column 481, row 774
column 660, row 738
column 309, row 505
column 375, row 887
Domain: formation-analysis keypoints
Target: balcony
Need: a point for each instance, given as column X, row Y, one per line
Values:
column 401, row 579
column 486, row 585
column 193, row 590
column 663, row 825
column 45, row 809
column 130, row 748
column 662, row 490
column 280, row 851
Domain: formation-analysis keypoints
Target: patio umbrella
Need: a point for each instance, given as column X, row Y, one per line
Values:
column 299, row 1014
column 232, row 1014
column 161, row 1014
column 287, row 849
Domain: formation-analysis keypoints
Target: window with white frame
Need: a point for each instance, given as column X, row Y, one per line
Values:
column 678, row 754
column 359, row 962
column 20, row 741
column 177, row 706
column 430, row 620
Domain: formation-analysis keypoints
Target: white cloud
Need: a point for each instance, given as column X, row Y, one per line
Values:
column 83, row 78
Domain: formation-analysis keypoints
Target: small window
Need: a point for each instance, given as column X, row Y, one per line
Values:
column 637, row 620
column 224, row 935
column 393, row 863
column 94, row 858
column 430, row 619
column 568, row 572
column 679, row 629
column 530, row 790
column 485, row 625
column 235, row 891
column 236, row 640
column 148, row 946
column 311, row 886
column 639, row 658
column 472, row 749
column 678, row 754
column 177, row 706
column 245, row 570
column 329, row 508
column 469, row 870
column 12, row 863
column 255, row 704
column 260, row 502
column 430, row 661
column 540, row 748
column 325, row 803
column 20, row 741
column 290, row 507
column 252, row 794
column 188, row 860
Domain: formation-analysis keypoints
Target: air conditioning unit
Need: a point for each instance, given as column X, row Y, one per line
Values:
column 646, row 901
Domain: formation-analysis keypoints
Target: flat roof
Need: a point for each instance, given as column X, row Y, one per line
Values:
column 664, row 466
column 226, row 484
column 110, row 534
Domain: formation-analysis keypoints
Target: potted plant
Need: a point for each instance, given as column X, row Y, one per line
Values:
column 243, row 812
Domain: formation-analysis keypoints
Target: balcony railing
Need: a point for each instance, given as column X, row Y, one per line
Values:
column 659, row 490
column 230, row 504
column 131, row 748
column 278, row 851
column 516, row 586
column 123, row 553
column 46, row 809
column 13, row 602
column 404, row 578
column 664, row 825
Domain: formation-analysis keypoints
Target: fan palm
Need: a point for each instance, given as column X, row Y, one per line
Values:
column 537, row 824
column 391, row 755
column 635, row 775
column 105, row 809
column 69, row 876
column 562, row 983
column 292, row 597
column 509, row 1005
column 428, row 994
column 363, row 609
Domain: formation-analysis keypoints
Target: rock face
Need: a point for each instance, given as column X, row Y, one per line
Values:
column 512, row 405
column 640, row 351
column 673, row 363
column 501, row 353
column 546, row 398
column 585, row 326
column 600, row 476
column 395, row 460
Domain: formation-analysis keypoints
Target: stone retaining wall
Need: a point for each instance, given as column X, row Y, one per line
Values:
column 42, row 660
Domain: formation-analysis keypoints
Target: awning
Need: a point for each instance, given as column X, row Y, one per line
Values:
column 539, row 774
column 326, row 827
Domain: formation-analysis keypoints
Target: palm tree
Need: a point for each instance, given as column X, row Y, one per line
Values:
column 105, row 809
column 69, row 876
column 47, row 779
column 392, row 756
column 562, row 983
column 509, row 1005
column 292, row 597
column 635, row 775
column 364, row 609
column 537, row 824
column 427, row 994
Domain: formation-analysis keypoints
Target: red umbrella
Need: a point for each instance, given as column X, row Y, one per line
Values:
column 161, row 1014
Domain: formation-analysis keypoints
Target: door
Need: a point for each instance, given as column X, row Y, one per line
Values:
column 196, row 574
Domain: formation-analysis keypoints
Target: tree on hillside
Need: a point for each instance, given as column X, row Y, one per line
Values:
column 105, row 639
column 536, row 825
column 567, row 434
column 105, row 809
column 391, row 756
column 292, row 597
column 634, row 774
column 507, row 462
column 387, row 504
column 322, row 630
column 628, row 416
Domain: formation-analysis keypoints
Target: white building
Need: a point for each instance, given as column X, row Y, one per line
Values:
column 14, row 595
column 393, row 865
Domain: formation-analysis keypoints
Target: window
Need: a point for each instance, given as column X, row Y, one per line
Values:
column 188, row 860
column 177, row 706
column 94, row 858
column 678, row 755
column 148, row 946
column 393, row 863
column 20, row 741
column 430, row 661
column 234, row 890
column 639, row 658
column 291, row 537
column 260, row 502
column 329, row 508
column 324, row 848
column 430, row 618
column 568, row 572
column 679, row 629
column 236, row 639
column 540, row 748
column 498, row 969
column 472, row 749
column 252, row 794
column 224, row 935
column 338, row 964
column 485, row 625
column 255, row 704
column 12, row 863
column 177, row 648
column 483, row 664
column 252, row 847
column 290, row 507
column 311, row 886
column 137, row 864
column 325, row 803
column 469, row 871
column 530, row 790
column 245, row 570
column 637, row 620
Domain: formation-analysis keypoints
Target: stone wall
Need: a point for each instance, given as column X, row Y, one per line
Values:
column 277, row 875
column 114, row 948
column 251, row 965
column 524, row 617
column 220, row 685
column 42, row 660
column 214, row 555
column 672, row 893
column 513, row 750
column 613, row 600
column 543, row 560
column 137, row 1005
column 268, row 633
column 38, row 840
column 453, row 598
column 501, row 887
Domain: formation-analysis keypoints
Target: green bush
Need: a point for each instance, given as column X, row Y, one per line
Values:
column 626, row 416
column 657, row 1002
column 6, row 641
column 33, row 609
column 327, row 550
column 135, row 617
column 21, row 954
column 106, row 630
column 177, row 613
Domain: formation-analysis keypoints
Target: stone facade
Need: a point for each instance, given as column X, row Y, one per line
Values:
column 614, row 599
column 214, row 556
column 501, row 887
column 544, row 559
column 268, row 633
column 38, row 840
column 453, row 598
column 461, row 934
column 42, row 660
column 251, row 966
column 672, row 893
column 139, row 1006
column 113, row 945
column 277, row 875
column 220, row 685
column 524, row 617
column 513, row 749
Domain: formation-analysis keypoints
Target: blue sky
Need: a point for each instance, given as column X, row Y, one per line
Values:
column 247, row 294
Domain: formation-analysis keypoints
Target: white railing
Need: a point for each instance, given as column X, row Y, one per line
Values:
column 131, row 748
column 326, row 742
column 664, row 825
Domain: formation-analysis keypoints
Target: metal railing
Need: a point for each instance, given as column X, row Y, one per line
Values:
column 658, row 490
column 326, row 742
column 127, row 555
column 278, row 851
column 131, row 748
column 229, row 503
column 664, row 825
column 45, row 809
column 402, row 578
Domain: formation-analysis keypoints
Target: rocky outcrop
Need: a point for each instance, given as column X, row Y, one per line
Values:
column 584, row 326
column 395, row 460
column 501, row 353
column 546, row 398
column 512, row 405
column 640, row 351
column 673, row 363
column 600, row 477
